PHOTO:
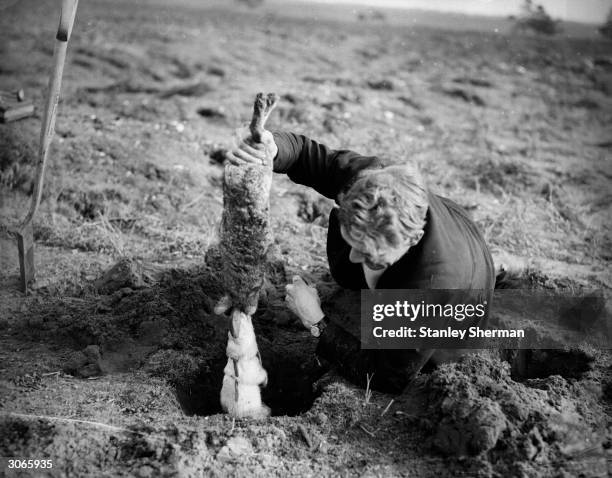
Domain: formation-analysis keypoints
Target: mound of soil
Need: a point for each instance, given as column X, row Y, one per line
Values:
column 522, row 429
column 169, row 330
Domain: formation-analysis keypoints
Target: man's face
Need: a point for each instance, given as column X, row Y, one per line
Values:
column 375, row 260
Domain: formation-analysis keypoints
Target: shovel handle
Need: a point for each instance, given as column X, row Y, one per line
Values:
column 69, row 8
column 48, row 123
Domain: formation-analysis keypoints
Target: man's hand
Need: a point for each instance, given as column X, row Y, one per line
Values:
column 303, row 300
column 247, row 151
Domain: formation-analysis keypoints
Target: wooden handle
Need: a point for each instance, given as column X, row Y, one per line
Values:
column 69, row 8
column 50, row 111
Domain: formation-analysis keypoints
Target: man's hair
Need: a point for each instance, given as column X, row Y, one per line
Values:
column 385, row 207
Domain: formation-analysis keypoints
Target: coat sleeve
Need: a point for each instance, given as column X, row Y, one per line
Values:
column 312, row 164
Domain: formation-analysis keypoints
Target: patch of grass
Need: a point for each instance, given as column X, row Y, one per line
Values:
column 175, row 366
column 17, row 156
column 368, row 390
column 502, row 175
column 516, row 228
column 99, row 236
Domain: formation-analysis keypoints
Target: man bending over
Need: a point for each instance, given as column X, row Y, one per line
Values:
column 388, row 232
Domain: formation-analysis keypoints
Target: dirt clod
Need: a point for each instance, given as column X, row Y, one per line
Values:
column 465, row 95
column 381, row 84
column 125, row 274
column 234, row 448
column 85, row 363
column 469, row 429
column 211, row 112
column 314, row 209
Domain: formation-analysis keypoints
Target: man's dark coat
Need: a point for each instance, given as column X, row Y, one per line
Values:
column 452, row 253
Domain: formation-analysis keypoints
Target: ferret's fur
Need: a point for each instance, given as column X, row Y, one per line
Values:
column 245, row 344
column 243, row 371
column 250, row 371
column 249, row 402
column 240, row 349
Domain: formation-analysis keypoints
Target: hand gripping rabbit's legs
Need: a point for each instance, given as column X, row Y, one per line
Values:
column 245, row 239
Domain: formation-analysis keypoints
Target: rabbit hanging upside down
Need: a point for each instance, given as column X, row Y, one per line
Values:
column 243, row 248
column 245, row 224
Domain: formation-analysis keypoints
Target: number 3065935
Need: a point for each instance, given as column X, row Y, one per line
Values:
column 25, row 464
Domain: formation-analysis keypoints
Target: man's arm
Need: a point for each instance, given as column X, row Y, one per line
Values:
column 312, row 164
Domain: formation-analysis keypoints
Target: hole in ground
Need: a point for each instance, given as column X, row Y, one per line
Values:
column 532, row 363
column 289, row 391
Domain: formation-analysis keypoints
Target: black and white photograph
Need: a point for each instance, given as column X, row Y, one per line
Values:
column 306, row 238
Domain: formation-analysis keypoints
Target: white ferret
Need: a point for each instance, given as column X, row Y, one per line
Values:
column 245, row 344
column 243, row 374
column 250, row 371
column 248, row 402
